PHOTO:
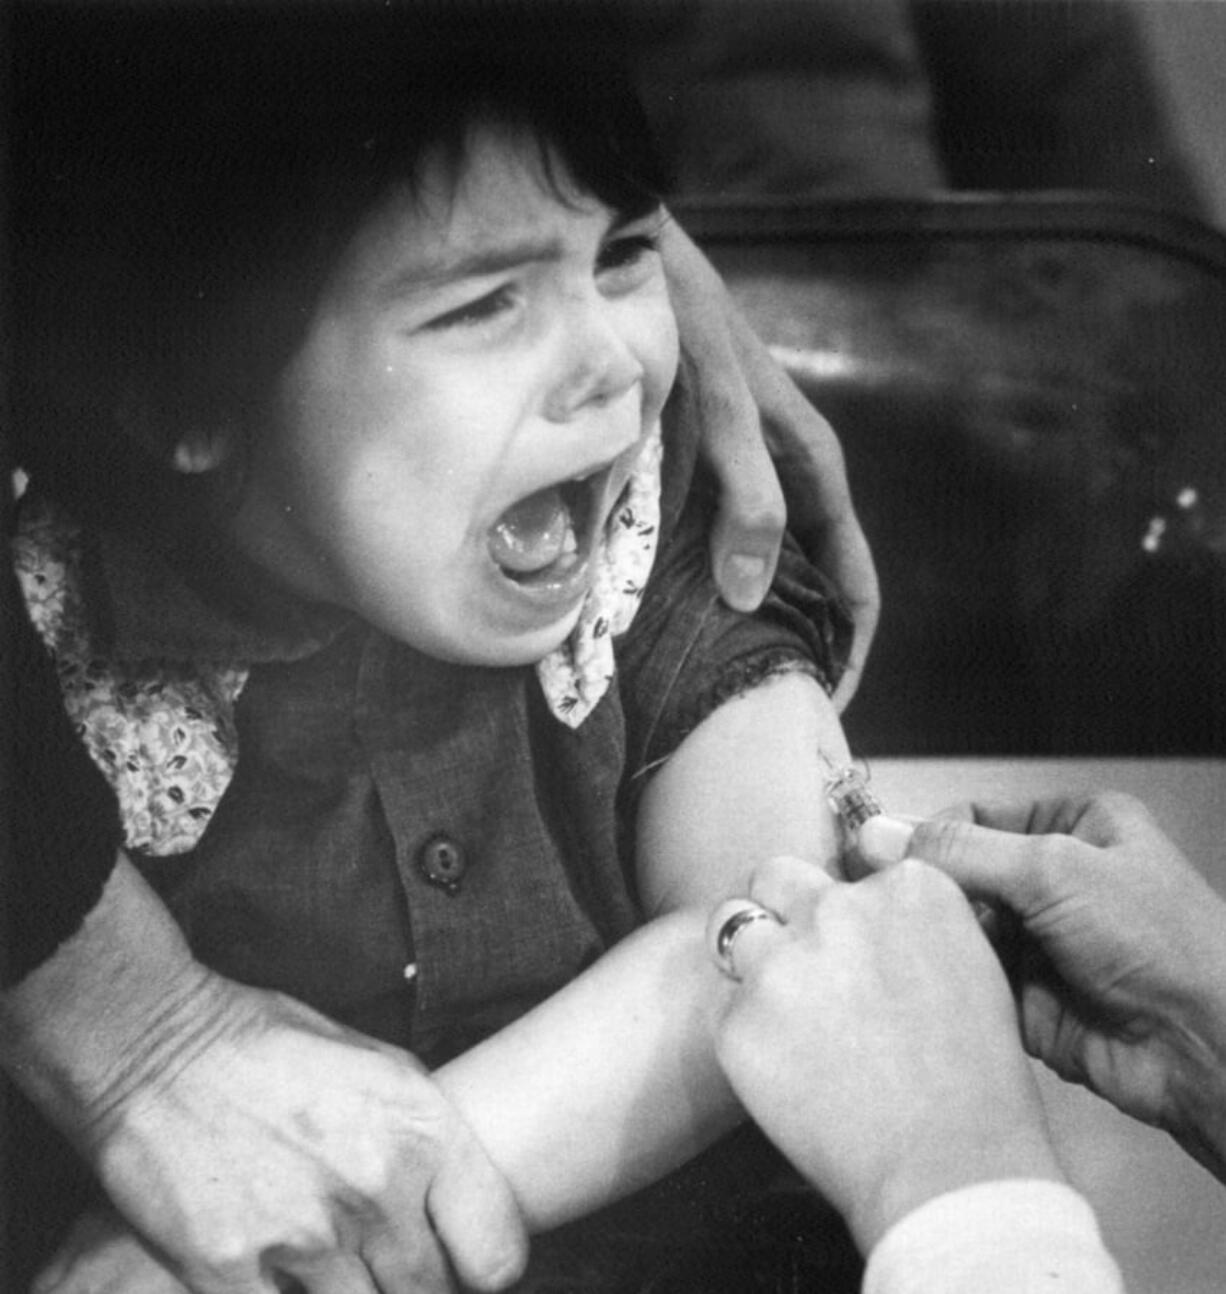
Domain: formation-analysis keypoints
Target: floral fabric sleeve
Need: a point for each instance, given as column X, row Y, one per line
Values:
column 162, row 733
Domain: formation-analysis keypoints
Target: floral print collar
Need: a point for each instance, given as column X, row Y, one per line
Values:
column 576, row 675
column 162, row 729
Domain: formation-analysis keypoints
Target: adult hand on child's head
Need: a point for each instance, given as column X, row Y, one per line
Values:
column 751, row 413
column 874, row 1039
column 1122, row 966
column 273, row 1143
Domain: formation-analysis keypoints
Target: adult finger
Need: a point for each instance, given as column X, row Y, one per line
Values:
column 1051, row 816
column 253, row 1282
column 799, row 439
column 404, row 1260
column 715, row 396
column 398, row 1267
column 849, row 563
column 476, row 1216
column 750, row 515
column 811, row 467
column 998, row 866
column 740, row 933
column 748, row 528
column 821, row 514
column 332, row 1273
column 1108, row 818
column 1104, row 819
column 788, row 886
column 103, row 1273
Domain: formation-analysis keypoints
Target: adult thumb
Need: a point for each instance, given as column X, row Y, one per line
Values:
column 994, row 866
column 477, row 1219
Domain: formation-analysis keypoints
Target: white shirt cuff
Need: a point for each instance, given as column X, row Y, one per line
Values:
column 1009, row 1237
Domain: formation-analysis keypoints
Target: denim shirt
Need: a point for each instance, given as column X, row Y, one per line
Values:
column 419, row 849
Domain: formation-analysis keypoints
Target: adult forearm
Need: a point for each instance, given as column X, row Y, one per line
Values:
column 606, row 1086
column 61, row 819
column 79, row 1029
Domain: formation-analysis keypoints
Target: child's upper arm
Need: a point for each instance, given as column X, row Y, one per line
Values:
column 745, row 785
column 725, row 715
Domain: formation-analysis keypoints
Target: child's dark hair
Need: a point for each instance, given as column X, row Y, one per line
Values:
column 184, row 177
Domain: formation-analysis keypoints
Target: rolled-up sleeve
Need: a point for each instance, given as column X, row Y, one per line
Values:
column 687, row 652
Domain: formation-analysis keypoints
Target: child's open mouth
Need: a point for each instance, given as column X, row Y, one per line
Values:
column 543, row 538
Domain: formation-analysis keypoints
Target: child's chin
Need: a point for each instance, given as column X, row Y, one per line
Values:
column 531, row 648
column 512, row 649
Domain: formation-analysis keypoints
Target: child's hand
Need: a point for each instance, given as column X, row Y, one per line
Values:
column 101, row 1255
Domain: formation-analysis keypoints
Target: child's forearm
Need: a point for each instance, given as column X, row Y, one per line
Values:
column 609, row 1084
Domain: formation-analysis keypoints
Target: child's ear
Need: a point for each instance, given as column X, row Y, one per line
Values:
column 203, row 449
column 206, row 445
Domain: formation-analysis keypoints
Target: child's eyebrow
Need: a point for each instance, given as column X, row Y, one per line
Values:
column 432, row 273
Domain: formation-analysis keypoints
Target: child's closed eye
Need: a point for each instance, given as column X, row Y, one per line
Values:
column 626, row 250
column 628, row 259
column 472, row 314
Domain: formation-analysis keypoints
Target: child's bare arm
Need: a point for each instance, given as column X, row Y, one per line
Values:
column 614, row 1080
column 745, row 785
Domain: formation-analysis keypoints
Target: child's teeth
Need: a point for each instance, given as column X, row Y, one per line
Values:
column 569, row 556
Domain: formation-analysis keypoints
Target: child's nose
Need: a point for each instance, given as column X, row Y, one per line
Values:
column 595, row 366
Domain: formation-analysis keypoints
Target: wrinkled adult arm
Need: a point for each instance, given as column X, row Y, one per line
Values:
column 1122, row 967
column 241, row 1133
column 61, row 822
column 774, row 455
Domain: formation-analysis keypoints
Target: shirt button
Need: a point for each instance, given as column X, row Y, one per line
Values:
column 443, row 864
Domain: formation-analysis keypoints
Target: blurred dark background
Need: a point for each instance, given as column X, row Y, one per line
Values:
column 984, row 237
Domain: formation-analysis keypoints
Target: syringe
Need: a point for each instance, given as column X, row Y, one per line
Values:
column 848, row 794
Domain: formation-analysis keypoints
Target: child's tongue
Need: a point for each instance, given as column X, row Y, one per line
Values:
column 533, row 534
